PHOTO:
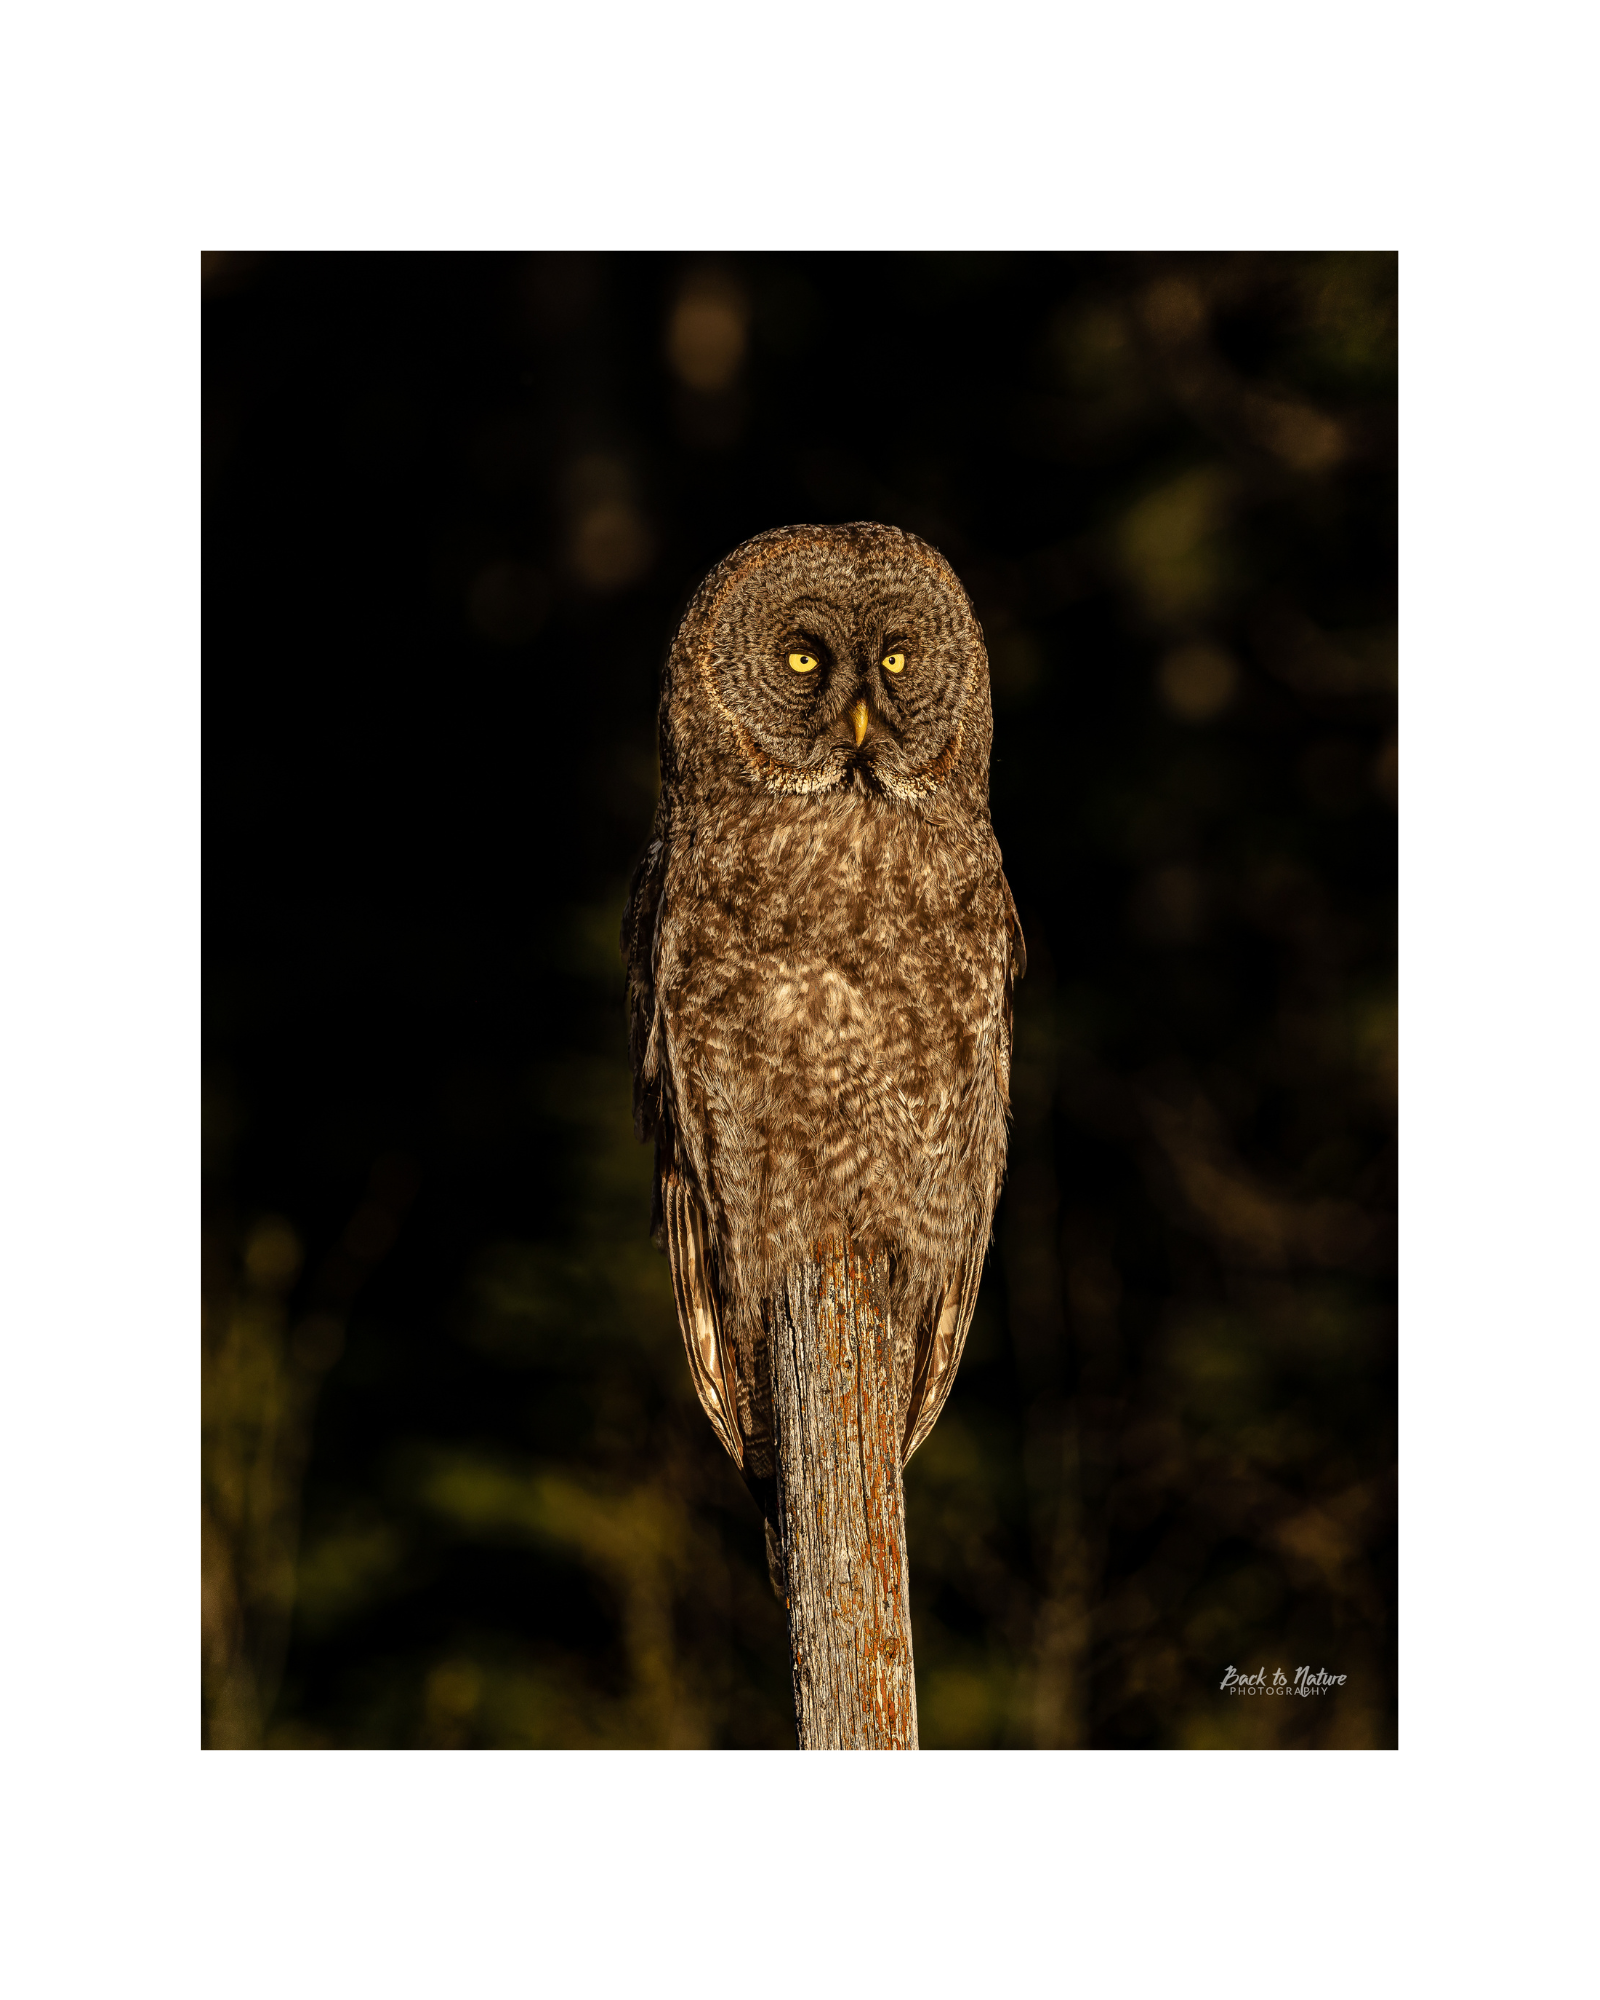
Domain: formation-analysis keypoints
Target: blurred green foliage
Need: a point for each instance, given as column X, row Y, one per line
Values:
column 458, row 1492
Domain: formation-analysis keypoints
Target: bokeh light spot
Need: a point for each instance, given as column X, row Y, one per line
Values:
column 1198, row 681
column 272, row 1254
column 707, row 332
column 455, row 1688
column 1170, row 544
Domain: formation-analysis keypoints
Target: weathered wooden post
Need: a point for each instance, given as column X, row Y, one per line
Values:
column 841, row 1510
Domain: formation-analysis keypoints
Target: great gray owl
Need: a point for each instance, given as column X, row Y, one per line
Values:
column 821, row 948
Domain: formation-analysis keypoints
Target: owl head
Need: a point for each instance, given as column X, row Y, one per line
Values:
column 831, row 660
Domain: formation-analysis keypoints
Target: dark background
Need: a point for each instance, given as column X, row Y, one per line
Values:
column 458, row 1490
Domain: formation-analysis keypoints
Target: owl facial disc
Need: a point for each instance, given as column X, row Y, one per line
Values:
column 841, row 657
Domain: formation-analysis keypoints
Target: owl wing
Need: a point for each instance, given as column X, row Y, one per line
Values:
column 699, row 1316
column 939, row 1344
column 677, row 1221
column 943, row 1335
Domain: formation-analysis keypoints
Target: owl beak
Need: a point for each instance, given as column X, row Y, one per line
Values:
column 858, row 715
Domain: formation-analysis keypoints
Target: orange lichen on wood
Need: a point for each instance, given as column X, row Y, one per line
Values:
column 840, row 1507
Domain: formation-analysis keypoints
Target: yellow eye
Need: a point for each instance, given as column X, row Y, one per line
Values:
column 894, row 663
column 803, row 663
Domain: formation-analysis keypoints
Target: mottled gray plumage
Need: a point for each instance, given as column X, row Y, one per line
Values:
column 821, row 947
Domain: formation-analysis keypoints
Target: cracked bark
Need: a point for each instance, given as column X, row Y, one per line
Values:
column 841, row 1510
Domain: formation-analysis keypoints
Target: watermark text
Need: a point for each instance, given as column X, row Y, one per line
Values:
column 1305, row 1681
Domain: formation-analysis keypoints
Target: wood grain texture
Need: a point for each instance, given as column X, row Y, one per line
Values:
column 841, row 1510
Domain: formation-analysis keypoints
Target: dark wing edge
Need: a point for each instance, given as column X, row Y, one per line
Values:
column 639, row 919
column 650, row 1121
column 699, row 1318
column 1016, row 966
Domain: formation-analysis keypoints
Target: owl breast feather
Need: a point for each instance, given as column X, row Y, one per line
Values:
column 831, row 983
